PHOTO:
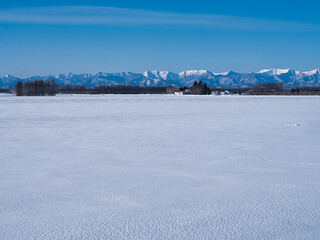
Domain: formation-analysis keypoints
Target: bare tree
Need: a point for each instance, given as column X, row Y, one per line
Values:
column 19, row 88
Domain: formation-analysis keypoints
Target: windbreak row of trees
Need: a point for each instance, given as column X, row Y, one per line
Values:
column 124, row 89
column 305, row 91
column 266, row 89
column 36, row 88
column 50, row 88
column 72, row 89
column 277, row 89
column 4, row 90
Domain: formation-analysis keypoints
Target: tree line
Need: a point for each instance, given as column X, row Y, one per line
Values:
column 266, row 89
column 125, row 89
column 36, row 88
column 277, row 89
column 50, row 88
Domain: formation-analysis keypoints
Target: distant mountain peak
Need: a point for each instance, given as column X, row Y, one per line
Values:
column 69, row 74
column 222, row 73
column 10, row 76
column 193, row 73
column 313, row 72
column 274, row 71
column 155, row 74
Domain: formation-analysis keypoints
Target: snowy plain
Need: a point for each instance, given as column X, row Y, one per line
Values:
column 159, row 167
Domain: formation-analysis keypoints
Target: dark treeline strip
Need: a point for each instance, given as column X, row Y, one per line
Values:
column 124, row 89
column 114, row 89
column 266, row 89
column 4, row 90
column 277, row 89
column 50, row 88
column 36, row 88
column 72, row 89
column 304, row 91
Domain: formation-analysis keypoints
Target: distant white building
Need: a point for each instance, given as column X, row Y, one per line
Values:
column 186, row 92
column 225, row 93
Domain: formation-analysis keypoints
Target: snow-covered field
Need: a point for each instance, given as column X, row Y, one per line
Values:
column 159, row 167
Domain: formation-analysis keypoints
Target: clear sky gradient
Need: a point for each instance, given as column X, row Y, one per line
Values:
column 50, row 37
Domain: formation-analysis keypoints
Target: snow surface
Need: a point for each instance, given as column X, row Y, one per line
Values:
column 159, row 167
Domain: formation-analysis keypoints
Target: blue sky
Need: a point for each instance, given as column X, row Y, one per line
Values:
column 50, row 37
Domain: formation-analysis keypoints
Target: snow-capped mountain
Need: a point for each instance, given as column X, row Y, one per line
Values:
column 313, row 72
column 273, row 71
column 164, row 75
column 230, row 79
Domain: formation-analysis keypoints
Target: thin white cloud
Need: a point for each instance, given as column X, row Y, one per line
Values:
column 81, row 15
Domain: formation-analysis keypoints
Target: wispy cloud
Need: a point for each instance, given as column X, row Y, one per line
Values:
column 81, row 15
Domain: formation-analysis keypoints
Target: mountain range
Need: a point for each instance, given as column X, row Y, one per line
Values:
column 289, row 78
